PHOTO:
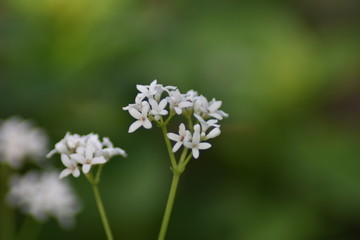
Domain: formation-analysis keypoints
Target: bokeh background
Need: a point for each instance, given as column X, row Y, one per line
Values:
column 287, row 165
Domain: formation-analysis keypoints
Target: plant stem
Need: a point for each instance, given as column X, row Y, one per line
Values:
column 168, row 145
column 169, row 206
column 104, row 219
column 102, row 212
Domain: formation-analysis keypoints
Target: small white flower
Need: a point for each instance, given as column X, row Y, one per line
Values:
column 180, row 139
column 88, row 159
column 213, row 110
column 195, row 144
column 68, row 145
column 158, row 109
column 71, row 167
column 178, row 101
column 110, row 151
column 43, row 195
column 20, row 140
column 205, row 125
column 147, row 91
column 142, row 118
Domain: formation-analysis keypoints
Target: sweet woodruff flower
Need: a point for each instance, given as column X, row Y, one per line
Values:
column 81, row 152
column 150, row 105
column 43, row 195
column 20, row 140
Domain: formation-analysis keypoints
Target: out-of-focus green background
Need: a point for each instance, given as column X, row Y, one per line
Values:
column 287, row 165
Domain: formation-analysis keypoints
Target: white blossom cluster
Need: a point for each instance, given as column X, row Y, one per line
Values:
column 155, row 101
column 43, row 195
column 20, row 140
column 83, row 152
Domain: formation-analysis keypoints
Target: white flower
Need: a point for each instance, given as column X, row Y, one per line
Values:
column 110, row 151
column 142, row 118
column 180, row 139
column 71, row 167
column 205, row 125
column 178, row 101
column 43, row 195
column 195, row 144
column 88, row 159
column 213, row 110
column 20, row 140
column 84, row 151
column 147, row 91
column 68, row 145
column 158, row 109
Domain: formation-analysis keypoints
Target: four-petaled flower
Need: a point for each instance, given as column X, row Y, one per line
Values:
column 71, row 167
column 195, row 144
column 180, row 139
column 88, row 159
column 142, row 118
column 158, row 109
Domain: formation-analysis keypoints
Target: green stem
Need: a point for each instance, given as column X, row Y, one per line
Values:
column 168, row 145
column 169, row 206
column 29, row 229
column 102, row 212
column 99, row 203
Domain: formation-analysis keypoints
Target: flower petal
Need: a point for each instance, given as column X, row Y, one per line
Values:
column 98, row 160
column 65, row 160
column 163, row 103
column 78, row 157
column 173, row 136
column 51, row 153
column 177, row 146
column 213, row 133
column 142, row 88
column 214, row 106
column 147, row 124
column 86, row 168
column 196, row 137
column 135, row 125
column 204, row 145
column 64, row 173
column 195, row 152
column 76, row 172
column 135, row 113
column 185, row 104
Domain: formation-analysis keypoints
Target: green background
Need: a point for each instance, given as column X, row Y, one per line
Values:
column 287, row 164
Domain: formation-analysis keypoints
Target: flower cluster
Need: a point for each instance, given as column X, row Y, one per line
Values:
column 43, row 195
column 155, row 101
column 83, row 152
column 20, row 140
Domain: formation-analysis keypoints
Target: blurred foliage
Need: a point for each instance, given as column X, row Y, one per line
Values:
column 287, row 164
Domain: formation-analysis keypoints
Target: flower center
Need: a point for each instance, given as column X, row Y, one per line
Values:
column 87, row 161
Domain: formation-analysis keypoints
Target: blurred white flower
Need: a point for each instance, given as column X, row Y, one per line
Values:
column 20, row 140
column 83, row 152
column 88, row 158
column 43, row 195
column 195, row 143
column 180, row 139
column 71, row 167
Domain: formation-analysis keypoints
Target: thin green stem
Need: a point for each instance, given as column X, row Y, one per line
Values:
column 169, row 206
column 168, row 145
column 98, row 174
column 183, row 165
column 30, row 229
column 99, row 203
